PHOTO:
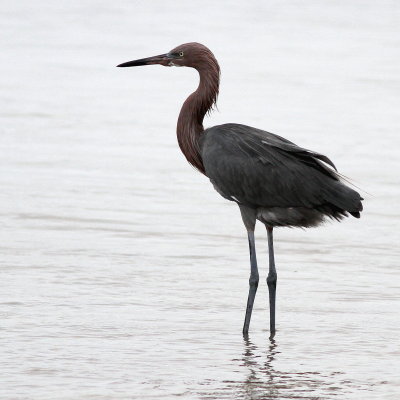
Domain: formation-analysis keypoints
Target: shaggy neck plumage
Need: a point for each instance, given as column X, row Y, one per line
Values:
column 190, row 121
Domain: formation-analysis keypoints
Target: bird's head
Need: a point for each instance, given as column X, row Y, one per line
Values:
column 193, row 55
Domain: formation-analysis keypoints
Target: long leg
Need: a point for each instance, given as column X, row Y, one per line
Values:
column 253, row 281
column 271, row 281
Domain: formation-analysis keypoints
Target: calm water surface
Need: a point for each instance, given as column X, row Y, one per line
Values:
column 123, row 274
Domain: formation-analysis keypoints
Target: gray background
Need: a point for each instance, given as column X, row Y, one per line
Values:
column 123, row 274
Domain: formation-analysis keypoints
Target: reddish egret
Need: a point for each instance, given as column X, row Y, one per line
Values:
column 270, row 178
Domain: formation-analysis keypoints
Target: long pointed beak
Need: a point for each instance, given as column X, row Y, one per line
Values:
column 161, row 59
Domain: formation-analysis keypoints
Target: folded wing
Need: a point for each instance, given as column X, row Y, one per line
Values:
column 260, row 169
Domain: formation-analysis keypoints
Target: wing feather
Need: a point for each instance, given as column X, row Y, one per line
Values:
column 258, row 168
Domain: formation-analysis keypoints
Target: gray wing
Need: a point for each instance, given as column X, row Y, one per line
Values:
column 260, row 169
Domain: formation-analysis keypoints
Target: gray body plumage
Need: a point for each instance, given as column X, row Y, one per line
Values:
column 274, row 180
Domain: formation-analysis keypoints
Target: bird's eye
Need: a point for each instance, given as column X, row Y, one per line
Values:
column 177, row 54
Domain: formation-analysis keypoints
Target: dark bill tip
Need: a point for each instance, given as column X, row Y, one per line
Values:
column 144, row 61
column 135, row 63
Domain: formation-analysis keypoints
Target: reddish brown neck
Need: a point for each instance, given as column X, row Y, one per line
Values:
column 190, row 121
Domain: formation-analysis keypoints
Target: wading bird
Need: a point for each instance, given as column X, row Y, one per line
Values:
column 270, row 178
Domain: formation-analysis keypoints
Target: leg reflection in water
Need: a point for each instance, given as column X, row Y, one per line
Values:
column 260, row 380
column 264, row 381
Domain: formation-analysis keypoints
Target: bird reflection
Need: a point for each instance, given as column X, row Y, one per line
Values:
column 260, row 382
column 264, row 381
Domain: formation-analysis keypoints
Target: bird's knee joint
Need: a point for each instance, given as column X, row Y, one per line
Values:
column 272, row 278
column 253, row 281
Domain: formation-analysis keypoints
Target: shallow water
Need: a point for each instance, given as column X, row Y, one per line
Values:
column 123, row 274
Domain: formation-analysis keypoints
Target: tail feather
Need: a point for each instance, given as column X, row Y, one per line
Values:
column 344, row 198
